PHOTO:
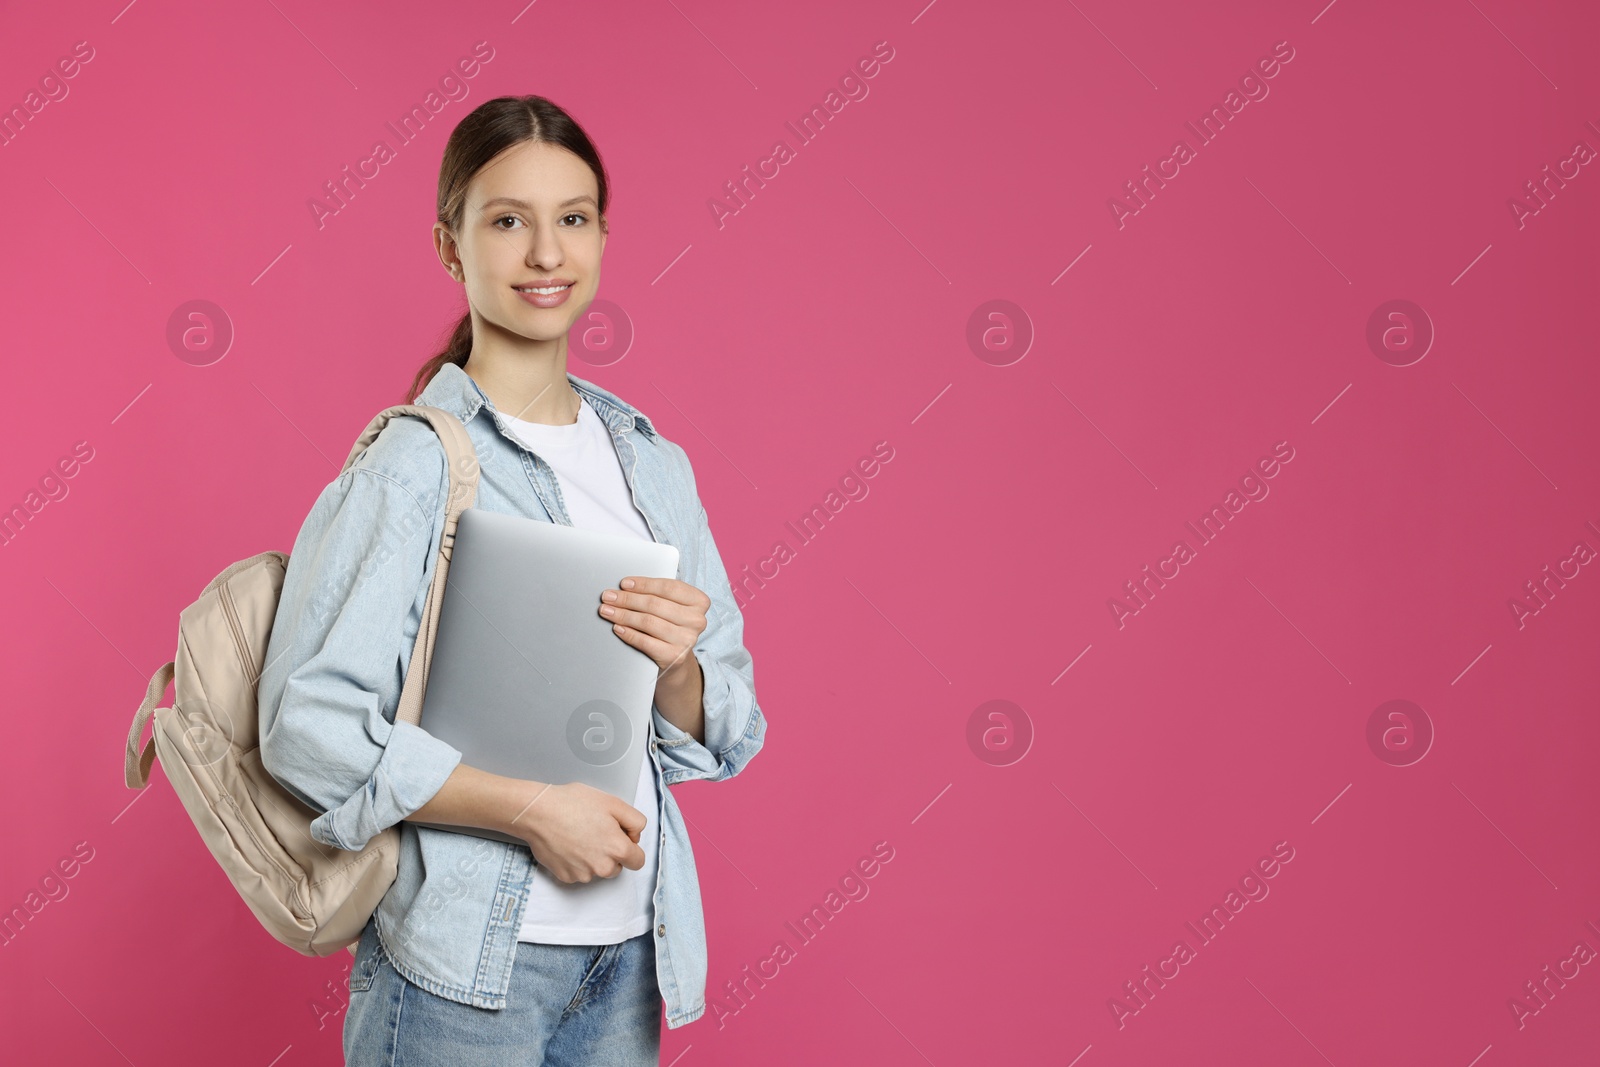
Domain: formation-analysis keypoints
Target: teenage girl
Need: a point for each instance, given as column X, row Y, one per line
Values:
column 486, row 952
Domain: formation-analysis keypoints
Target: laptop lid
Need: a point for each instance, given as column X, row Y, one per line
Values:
column 528, row 679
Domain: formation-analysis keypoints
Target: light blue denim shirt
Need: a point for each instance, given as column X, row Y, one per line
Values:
column 348, row 614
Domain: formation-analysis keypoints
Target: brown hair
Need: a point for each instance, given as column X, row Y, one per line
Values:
column 491, row 128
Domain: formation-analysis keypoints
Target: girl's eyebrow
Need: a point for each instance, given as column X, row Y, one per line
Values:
column 514, row 202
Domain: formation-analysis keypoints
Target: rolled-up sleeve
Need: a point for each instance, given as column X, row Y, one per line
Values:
column 341, row 640
column 735, row 728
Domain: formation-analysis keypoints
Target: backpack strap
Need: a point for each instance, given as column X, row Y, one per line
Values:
column 461, row 462
column 462, row 465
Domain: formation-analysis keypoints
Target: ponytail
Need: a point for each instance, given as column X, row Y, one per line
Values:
column 456, row 350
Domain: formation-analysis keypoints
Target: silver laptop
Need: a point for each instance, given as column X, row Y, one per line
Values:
column 528, row 679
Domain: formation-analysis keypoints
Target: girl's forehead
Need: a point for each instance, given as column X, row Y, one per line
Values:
column 536, row 172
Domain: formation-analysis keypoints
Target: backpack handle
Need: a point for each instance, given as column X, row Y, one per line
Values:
column 461, row 462
column 136, row 764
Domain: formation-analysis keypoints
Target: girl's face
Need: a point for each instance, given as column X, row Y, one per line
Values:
column 532, row 219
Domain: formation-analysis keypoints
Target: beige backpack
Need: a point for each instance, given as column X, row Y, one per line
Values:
column 310, row 896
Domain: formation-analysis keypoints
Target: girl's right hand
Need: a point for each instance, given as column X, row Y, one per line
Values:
column 579, row 833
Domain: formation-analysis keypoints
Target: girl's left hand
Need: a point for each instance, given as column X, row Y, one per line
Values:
column 661, row 617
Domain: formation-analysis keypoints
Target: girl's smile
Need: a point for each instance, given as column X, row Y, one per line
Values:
column 546, row 296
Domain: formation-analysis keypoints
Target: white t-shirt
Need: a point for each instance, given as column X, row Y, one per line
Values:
column 604, row 911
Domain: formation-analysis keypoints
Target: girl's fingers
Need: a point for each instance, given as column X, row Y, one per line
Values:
column 671, row 610
column 640, row 620
column 679, row 592
column 658, row 650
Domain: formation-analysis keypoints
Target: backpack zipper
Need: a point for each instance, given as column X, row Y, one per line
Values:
column 237, row 630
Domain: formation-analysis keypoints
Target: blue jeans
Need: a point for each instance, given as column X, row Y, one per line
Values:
column 568, row 1005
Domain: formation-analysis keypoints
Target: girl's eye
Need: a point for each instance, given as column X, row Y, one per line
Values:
column 582, row 218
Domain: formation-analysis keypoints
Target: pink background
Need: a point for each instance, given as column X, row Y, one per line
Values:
column 1030, row 879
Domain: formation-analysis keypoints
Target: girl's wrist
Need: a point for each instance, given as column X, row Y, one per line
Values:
column 521, row 806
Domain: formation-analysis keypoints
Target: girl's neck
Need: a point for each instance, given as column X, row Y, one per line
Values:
column 526, row 384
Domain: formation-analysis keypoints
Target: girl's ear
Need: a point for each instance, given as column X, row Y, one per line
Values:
column 444, row 243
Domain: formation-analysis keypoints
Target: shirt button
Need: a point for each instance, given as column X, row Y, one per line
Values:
column 655, row 746
column 661, row 931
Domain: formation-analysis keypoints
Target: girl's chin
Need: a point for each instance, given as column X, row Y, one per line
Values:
column 536, row 325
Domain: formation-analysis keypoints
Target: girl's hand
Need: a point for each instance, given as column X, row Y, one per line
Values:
column 579, row 833
column 661, row 617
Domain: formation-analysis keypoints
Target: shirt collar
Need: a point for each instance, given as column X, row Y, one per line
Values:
column 457, row 392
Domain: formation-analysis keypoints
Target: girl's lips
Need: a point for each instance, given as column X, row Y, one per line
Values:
column 540, row 300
